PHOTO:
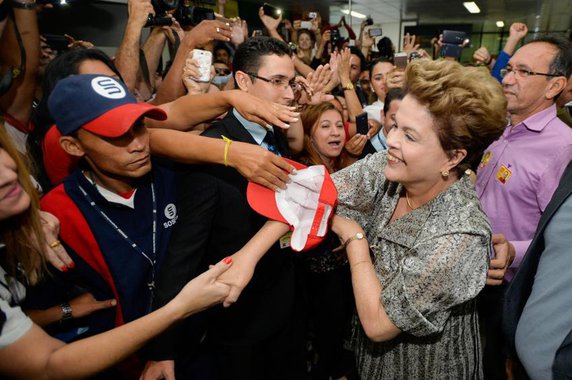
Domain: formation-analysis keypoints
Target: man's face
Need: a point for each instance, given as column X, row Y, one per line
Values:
column 529, row 94
column 123, row 158
column 355, row 70
column 273, row 67
column 222, row 55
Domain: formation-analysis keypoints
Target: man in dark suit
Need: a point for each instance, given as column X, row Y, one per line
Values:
column 261, row 335
column 537, row 319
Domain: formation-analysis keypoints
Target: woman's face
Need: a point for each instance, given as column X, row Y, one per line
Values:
column 379, row 78
column 304, row 41
column 13, row 199
column 415, row 156
column 328, row 135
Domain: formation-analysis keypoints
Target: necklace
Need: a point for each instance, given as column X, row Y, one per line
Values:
column 408, row 201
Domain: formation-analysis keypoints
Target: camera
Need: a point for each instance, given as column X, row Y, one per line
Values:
column 271, row 10
column 193, row 15
column 335, row 36
column 454, row 37
column 312, row 15
column 161, row 7
column 414, row 55
column 293, row 48
column 368, row 21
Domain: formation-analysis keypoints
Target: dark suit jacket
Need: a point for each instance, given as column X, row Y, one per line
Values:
column 521, row 285
column 215, row 221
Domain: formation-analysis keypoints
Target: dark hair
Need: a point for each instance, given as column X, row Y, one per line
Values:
column 309, row 33
column 362, row 65
column 393, row 94
column 562, row 62
column 378, row 60
column 385, row 48
column 248, row 55
column 222, row 46
column 62, row 66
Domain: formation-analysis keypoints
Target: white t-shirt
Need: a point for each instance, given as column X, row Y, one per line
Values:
column 17, row 324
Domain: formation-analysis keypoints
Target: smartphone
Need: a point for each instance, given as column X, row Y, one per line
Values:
column 204, row 58
column 400, row 60
column 451, row 50
column 312, row 15
column 362, row 127
column 335, row 36
column 375, row 32
column 271, row 10
column 306, row 24
column 454, row 37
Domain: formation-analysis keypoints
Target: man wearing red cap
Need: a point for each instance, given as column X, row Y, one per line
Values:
column 117, row 210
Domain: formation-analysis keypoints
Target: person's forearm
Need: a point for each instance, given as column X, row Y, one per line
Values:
column 301, row 67
column 263, row 240
column 153, row 48
column 45, row 317
column 172, row 87
column 110, row 347
column 186, row 147
column 295, row 135
column 510, row 45
column 127, row 56
column 18, row 101
column 190, row 110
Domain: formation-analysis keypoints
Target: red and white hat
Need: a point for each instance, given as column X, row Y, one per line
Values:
column 307, row 204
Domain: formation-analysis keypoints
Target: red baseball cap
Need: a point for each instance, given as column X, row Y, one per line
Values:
column 307, row 204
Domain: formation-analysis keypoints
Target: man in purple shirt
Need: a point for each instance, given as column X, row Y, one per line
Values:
column 520, row 172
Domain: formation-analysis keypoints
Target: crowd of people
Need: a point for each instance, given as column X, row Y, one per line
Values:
column 313, row 210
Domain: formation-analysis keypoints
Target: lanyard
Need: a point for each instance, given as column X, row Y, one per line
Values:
column 152, row 261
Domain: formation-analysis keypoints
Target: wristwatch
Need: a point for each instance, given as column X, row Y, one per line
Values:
column 358, row 236
column 348, row 86
column 66, row 312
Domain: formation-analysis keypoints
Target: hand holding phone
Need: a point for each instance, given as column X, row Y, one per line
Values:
column 204, row 59
column 362, row 126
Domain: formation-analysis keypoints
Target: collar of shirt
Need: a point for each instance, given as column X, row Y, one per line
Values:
column 379, row 141
column 539, row 120
column 257, row 131
column 114, row 198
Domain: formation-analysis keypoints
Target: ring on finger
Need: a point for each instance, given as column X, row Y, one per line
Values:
column 55, row 244
column 217, row 29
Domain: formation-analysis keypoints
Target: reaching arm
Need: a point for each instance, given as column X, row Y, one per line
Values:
column 38, row 356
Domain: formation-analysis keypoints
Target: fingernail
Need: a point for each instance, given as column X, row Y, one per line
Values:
column 268, row 126
column 64, row 269
column 286, row 125
column 296, row 119
column 227, row 260
column 71, row 265
column 113, row 303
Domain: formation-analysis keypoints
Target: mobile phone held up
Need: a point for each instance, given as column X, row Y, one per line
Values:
column 271, row 10
column 362, row 127
column 204, row 59
column 375, row 32
column 400, row 60
column 306, row 24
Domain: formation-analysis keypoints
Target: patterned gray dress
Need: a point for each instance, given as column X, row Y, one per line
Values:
column 431, row 263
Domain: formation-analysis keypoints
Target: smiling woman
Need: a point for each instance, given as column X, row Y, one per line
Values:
column 428, row 237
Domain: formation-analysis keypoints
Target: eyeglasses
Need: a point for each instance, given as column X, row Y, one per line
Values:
column 222, row 71
column 522, row 73
column 281, row 83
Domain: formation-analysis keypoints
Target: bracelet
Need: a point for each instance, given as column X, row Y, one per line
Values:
column 20, row 5
column 227, row 143
column 66, row 312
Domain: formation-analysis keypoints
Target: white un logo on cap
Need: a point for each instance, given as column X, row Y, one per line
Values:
column 108, row 87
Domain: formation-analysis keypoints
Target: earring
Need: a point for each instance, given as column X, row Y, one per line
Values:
column 445, row 173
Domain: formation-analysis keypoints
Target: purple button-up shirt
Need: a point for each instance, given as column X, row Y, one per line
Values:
column 518, row 175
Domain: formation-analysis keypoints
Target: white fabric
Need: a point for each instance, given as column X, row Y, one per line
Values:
column 19, row 138
column 17, row 323
column 299, row 201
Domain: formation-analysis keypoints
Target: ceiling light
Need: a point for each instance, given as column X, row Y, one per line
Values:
column 500, row 24
column 472, row 7
column 354, row 13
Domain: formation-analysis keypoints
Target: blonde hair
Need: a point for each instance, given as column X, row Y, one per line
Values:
column 467, row 105
column 22, row 233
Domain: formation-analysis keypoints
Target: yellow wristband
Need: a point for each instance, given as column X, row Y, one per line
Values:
column 227, row 143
